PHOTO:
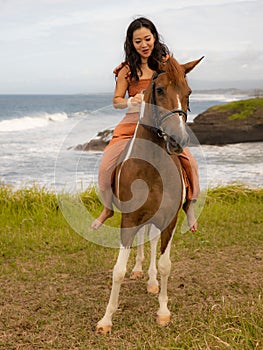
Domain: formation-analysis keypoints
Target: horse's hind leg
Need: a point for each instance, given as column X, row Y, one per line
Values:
column 152, row 284
column 105, row 324
column 137, row 271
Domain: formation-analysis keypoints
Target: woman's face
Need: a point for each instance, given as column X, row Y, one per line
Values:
column 143, row 41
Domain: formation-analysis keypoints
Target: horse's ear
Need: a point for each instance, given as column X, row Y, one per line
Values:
column 190, row 65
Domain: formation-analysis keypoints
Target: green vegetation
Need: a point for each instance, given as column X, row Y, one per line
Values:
column 54, row 284
column 241, row 109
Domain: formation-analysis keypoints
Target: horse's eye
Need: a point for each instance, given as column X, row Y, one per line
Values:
column 160, row 90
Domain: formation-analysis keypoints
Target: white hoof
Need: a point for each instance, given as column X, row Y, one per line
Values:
column 153, row 289
column 163, row 320
column 102, row 330
column 135, row 275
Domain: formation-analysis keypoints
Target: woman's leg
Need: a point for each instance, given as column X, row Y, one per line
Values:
column 107, row 211
column 190, row 169
column 107, row 168
column 188, row 207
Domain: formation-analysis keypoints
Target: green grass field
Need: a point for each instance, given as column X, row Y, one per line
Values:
column 55, row 285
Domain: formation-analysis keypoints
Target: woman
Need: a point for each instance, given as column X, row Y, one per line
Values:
column 143, row 51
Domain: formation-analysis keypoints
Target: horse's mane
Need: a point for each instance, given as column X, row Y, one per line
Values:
column 174, row 70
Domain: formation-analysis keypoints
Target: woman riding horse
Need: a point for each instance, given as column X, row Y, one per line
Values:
column 144, row 51
column 148, row 184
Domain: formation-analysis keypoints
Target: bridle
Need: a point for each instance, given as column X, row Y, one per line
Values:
column 158, row 118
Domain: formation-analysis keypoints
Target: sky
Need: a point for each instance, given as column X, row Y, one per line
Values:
column 72, row 46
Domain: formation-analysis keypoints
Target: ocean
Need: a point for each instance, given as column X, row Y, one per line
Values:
column 38, row 134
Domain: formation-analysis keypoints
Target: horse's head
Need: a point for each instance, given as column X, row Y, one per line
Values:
column 167, row 102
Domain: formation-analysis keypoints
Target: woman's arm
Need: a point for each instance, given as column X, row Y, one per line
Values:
column 119, row 100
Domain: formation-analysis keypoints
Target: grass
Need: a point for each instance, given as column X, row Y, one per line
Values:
column 241, row 109
column 54, row 284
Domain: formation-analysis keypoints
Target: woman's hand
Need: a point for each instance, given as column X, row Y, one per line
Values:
column 137, row 99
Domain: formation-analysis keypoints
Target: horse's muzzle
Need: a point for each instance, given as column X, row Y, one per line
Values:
column 177, row 144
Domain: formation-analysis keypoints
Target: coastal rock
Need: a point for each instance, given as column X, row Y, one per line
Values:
column 98, row 143
column 235, row 122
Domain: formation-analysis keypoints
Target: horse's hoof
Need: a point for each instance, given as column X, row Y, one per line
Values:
column 135, row 275
column 153, row 289
column 102, row 330
column 163, row 320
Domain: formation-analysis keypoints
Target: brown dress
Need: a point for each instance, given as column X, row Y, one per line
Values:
column 123, row 133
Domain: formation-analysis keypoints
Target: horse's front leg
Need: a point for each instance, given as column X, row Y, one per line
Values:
column 153, row 284
column 105, row 324
column 164, row 266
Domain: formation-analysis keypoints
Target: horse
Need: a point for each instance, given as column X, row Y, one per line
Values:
column 148, row 184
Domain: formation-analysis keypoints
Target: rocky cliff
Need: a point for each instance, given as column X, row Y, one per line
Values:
column 240, row 121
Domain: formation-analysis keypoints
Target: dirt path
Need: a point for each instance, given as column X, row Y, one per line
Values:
column 42, row 307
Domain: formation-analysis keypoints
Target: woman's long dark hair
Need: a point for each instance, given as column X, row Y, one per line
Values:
column 132, row 58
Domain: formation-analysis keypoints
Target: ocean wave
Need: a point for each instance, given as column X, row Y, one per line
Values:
column 80, row 114
column 217, row 97
column 32, row 121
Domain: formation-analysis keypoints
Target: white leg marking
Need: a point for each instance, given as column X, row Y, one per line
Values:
column 153, row 284
column 164, row 266
column 137, row 270
column 117, row 278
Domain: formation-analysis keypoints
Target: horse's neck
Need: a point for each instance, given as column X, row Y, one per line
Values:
column 147, row 128
column 147, row 132
column 144, row 138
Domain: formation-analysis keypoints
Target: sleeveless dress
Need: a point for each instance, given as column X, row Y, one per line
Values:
column 126, row 128
column 124, row 132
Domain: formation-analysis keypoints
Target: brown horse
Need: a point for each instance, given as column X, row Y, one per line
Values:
column 148, row 186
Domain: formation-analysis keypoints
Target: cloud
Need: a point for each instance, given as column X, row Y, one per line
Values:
column 74, row 46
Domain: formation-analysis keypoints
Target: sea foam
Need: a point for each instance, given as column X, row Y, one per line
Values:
column 31, row 122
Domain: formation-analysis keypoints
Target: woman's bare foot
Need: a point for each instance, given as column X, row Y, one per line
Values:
column 104, row 215
column 189, row 209
column 192, row 223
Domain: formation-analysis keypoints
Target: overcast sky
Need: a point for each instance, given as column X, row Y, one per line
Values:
column 72, row 46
